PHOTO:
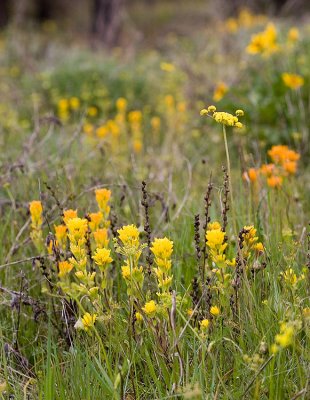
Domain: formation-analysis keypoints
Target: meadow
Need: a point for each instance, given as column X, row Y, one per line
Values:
column 154, row 199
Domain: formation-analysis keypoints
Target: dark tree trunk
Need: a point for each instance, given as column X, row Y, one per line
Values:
column 107, row 20
column 4, row 12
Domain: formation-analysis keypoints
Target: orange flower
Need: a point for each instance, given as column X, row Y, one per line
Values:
column 102, row 198
column 69, row 214
column 267, row 169
column 64, row 268
column 274, row 181
column 61, row 235
column 95, row 219
column 290, row 167
column 101, row 238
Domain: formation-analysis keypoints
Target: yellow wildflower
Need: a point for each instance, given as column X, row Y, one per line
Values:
column 139, row 317
column 286, row 336
column 220, row 90
column 162, row 248
column 102, row 257
column 77, row 228
column 225, row 118
column 215, row 311
column 259, row 247
column 150, row 308
column 137, row 145
column 293, row 35
column 214, row 226
column 293, row 81
column 36, row 209
column 167, row 67
column 63, row 104
column 88, row 128
column 64, row 268
column 291, row 278
column 129, row 235
column 102, row 131
column 135, row 116
column 155, row 123
column 222, row 117
column 92, row 111
column 306, row 313
column 204, row 324
column 264, row 42
column 74, row 103
column 215, row 238
column 121, row 104
column 102, row 197
column 126, row 271
column 88, row 321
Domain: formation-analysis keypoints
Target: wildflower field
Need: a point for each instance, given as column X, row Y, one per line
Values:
column 154, row 200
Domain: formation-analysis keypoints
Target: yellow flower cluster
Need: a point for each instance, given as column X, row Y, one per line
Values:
column 77, row 228
column 245, row 19
column 121, row 124
column 131, row 248
column 103, row 197
column 291, row 279
column 162, row 250
column 66, row 106
column 286, row 336
column 215, row 241
column 88, row 242
column 150, row 308
column 102, row 257
column 222, row 117
column 36, row 210
column 250, row 241
column 135, row 124
column 129, row 236
column 265, row 42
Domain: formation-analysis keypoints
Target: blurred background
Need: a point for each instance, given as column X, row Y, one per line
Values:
column 125, row 80
column 115, row 22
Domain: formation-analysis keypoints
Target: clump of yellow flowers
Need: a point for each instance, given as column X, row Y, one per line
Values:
column 216, row 243
column 220, row 266
column 83, row 257
column 129, row 246
column 265, row 42
column 162, row 250
column 222, row 117
column 286, row 337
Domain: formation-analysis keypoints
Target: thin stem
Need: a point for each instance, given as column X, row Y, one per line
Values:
column 230, row 183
